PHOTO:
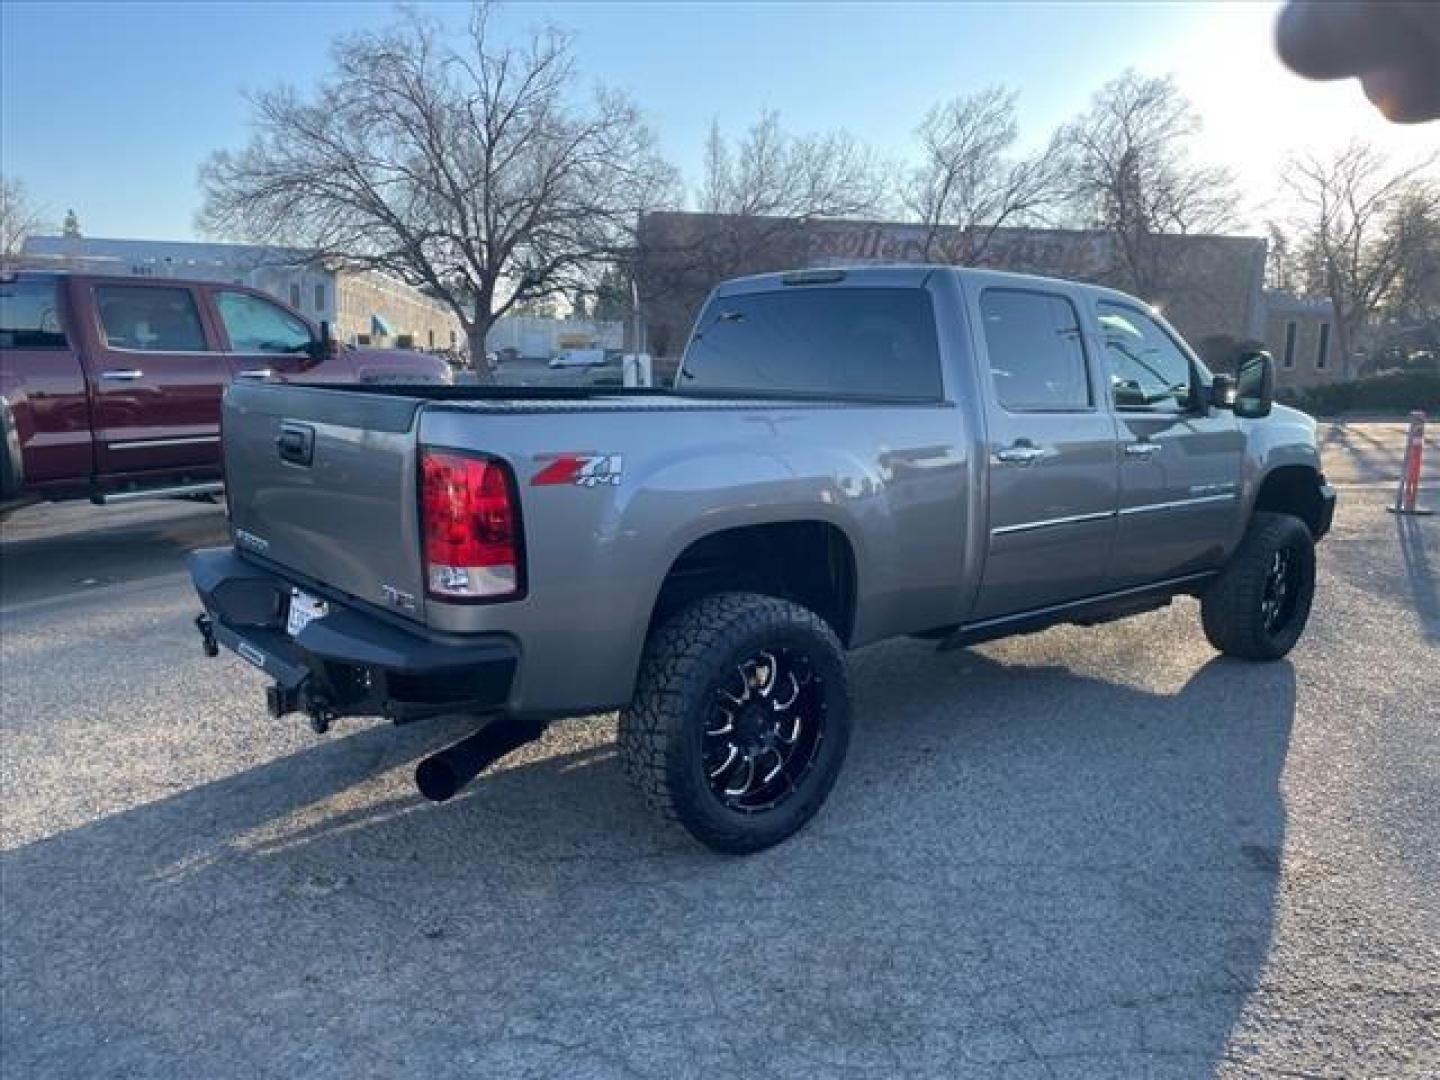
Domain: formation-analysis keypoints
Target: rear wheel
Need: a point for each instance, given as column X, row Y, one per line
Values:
column 740, row 721
column 1258, row 606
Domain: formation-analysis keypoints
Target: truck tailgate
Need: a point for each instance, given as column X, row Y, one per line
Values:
column 323, row 482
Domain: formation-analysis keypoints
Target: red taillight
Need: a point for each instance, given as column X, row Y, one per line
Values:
column 472, row 543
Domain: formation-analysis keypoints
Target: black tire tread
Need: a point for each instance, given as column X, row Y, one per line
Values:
column 1229, row 609
column 674, row 668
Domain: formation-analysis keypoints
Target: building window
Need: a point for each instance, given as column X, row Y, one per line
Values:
column 1289, row 360
column 1322, row 352
column 320, row 297
column 295, row 295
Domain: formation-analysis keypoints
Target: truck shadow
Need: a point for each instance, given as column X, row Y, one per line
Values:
column 1021, row 864
column 1419, row 574
column 1366, row 457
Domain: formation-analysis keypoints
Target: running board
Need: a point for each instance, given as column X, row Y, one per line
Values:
column 1086, row 612
column 207, row 487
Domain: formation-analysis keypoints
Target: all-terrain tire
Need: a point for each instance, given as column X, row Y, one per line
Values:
column 686, row 663
column 1233, row 609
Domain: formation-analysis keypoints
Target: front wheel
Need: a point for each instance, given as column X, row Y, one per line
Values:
column 1257, row 608
column 740, row 721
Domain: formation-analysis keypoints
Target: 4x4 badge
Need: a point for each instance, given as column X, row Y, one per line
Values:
column 581, row 470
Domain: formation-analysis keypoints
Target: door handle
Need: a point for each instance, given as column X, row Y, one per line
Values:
column 1142, row 449
column 123, row 374
column 256, row 373
column 1020, row 454
column 296, row 443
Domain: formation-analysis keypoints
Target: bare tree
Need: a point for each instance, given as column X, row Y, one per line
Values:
column 1414, row 233
column 772, row 173
column 761, row 190
column 1282, row 261
column 967, row 185
column 1129, row 173
column 462, row 165
column 18, row 217
column 1362, row 224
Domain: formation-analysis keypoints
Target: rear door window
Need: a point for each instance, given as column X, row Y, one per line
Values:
column 1037, row 357
column 150, row 318
column 845, row 343
column 30, row 315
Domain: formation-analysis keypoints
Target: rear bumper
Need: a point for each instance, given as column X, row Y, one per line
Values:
column 348, row 662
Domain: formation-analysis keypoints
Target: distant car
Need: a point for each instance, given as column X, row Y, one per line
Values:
column 110, row 386
column 579, row 358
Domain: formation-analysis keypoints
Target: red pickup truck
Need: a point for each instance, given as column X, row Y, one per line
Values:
column 110, row 387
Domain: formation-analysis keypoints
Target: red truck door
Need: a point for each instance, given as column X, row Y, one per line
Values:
column 265, row 340
column 42, row 388
column 157, row 377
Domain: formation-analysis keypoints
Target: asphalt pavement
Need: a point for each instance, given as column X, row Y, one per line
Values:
column 1083, row 853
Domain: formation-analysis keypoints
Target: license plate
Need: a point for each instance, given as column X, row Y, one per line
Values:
column 303, row 608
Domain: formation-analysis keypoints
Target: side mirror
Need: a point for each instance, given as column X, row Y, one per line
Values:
column 1222, row 392
column 1254, row 385
column 327, row 347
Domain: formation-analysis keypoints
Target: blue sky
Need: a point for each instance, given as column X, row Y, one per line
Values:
column 110, row 108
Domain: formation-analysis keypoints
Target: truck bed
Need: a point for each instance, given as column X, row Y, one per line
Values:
column 668, row 467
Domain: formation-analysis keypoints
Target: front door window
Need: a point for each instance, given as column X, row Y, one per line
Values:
column 1147, row 369
column 254, row 325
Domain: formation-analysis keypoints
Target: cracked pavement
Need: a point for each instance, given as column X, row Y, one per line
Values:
column 1084, row 853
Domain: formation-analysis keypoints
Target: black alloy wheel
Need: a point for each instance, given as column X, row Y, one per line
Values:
column 766, row 728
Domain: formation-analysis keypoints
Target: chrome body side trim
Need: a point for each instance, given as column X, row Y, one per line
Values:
column 185, row 440
column 1074, row 519
column 1125, row 511
column 1178, row 504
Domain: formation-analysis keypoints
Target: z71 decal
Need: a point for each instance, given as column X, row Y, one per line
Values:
column 579, row 470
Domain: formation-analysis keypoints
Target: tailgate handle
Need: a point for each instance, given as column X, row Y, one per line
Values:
column 296, row 443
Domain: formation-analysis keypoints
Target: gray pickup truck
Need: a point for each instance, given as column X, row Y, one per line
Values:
column 846, row 456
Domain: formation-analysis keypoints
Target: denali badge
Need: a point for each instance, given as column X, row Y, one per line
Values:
column 581, row 470
column 398, row 597
column 250, row 540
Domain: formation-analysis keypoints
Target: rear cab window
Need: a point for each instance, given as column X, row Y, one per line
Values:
column 30, row 315
column 150, row 318
column 832, row 342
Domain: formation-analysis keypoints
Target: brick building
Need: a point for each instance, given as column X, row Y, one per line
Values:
column 1210, row 287
column 1300, row 334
